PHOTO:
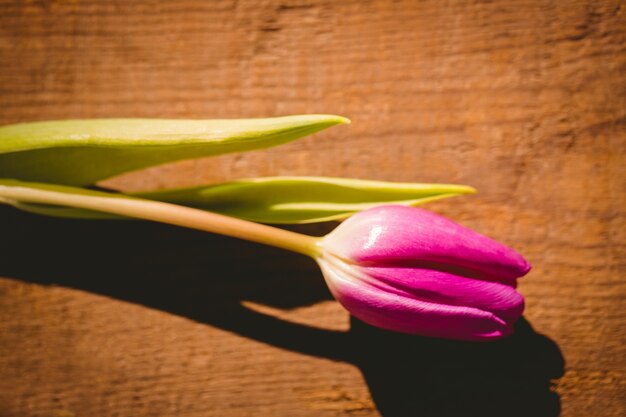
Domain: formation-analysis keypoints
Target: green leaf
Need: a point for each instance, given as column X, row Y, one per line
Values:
column 302, row 199
column 283, row 199
column 81, row 152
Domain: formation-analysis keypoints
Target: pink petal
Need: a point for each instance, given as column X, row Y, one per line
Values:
column 399, row 235
column 442, row 287
column 395, row 312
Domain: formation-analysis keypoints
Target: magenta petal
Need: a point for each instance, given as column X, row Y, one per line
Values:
column 396, row 312
column 442, row 287
column 393, row 235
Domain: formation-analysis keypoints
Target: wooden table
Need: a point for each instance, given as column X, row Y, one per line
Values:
column 525, row 100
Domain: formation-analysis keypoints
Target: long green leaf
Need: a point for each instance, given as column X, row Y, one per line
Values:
column 280, row 199
column 81, row 152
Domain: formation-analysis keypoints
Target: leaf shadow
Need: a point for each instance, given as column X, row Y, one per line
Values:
column 205, row 277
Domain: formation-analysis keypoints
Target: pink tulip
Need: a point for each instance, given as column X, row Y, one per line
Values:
column 395, row 267
column 412, row 271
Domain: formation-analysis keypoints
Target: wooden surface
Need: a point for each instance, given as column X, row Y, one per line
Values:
column 525, row 100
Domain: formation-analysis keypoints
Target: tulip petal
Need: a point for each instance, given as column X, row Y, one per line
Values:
column 442, row 287
column 397, row 235
column 404, row 314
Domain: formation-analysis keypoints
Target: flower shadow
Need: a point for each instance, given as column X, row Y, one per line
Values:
column 205, row 278
column 418, row 376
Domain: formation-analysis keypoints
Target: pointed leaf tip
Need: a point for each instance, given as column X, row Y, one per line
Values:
column 81, row 152
column 276, row 199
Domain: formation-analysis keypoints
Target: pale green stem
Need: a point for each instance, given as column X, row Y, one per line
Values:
column 172, row 214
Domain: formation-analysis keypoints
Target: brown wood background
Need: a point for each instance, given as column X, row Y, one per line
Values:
column 526, row 100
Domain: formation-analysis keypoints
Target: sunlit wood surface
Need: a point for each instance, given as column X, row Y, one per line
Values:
column 525, row 100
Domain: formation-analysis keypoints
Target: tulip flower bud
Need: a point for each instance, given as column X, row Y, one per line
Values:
column 409, row 270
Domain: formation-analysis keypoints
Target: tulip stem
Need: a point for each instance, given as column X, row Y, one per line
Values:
column 171, row 214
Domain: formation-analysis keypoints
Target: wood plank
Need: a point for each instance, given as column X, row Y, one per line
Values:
column 524, row 100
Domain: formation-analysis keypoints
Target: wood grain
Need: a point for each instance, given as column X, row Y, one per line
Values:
column 524, row 100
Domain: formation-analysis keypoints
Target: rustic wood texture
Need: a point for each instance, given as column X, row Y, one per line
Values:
column 525, row 100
